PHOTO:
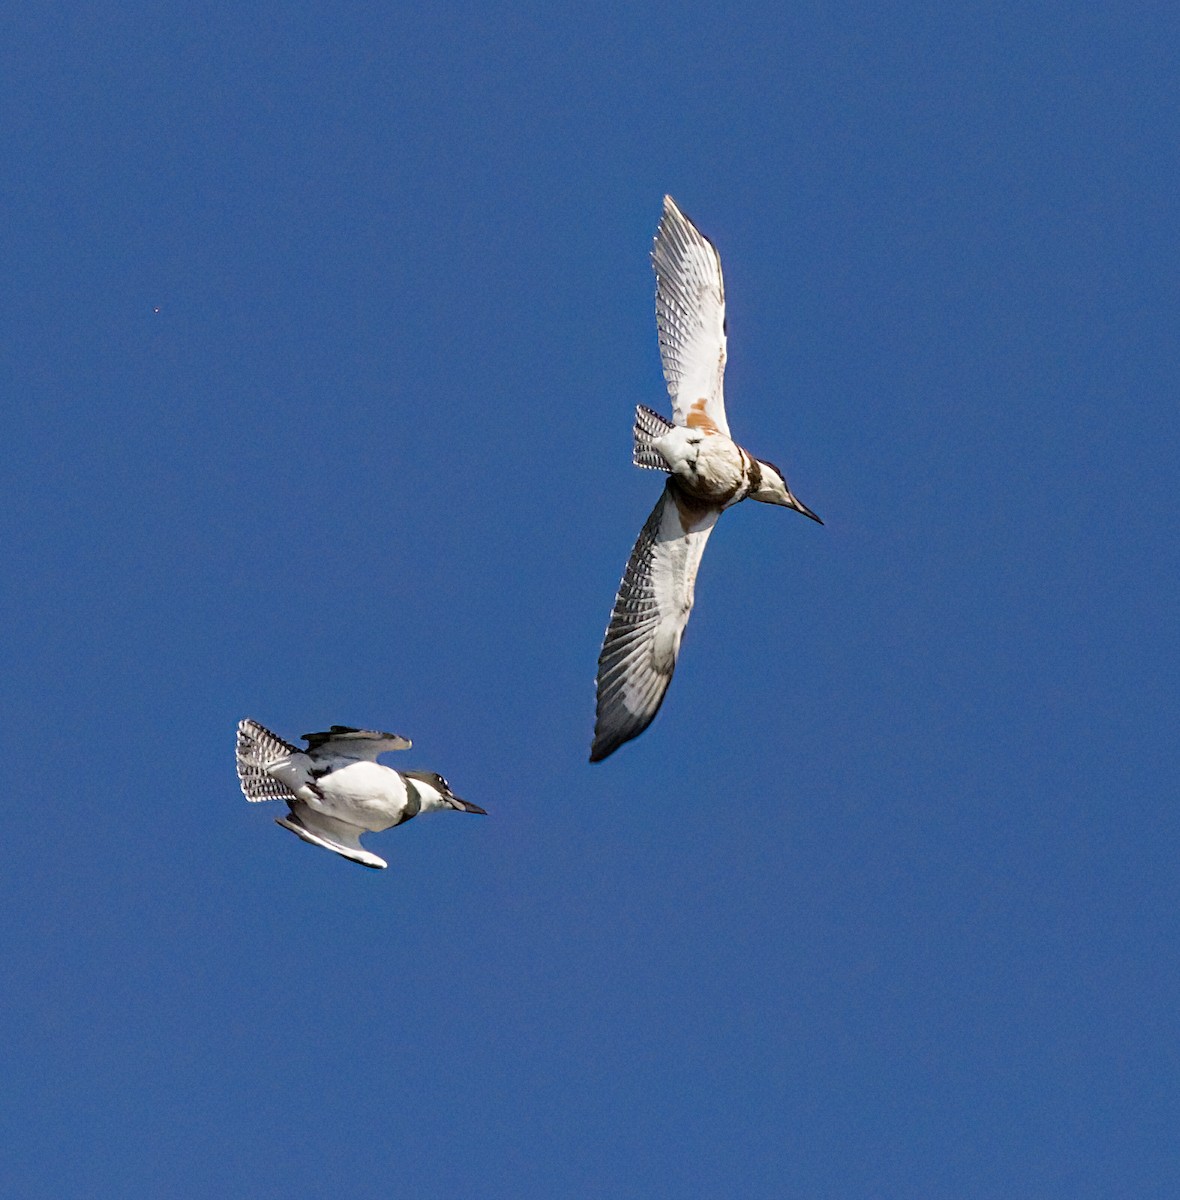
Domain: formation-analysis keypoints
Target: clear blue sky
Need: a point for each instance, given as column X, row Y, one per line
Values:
column 323, row 330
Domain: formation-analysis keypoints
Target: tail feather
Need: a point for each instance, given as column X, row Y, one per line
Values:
column 257, row 748
column 649, row 426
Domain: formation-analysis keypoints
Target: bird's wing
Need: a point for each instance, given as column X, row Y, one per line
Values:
column 343, row 741
column 651, row 610
column 319, row 829
column 690, row 316
column 257, row 748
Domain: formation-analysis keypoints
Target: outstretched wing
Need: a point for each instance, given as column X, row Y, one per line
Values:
column 319, row 829
column 690, row 316
column 257, row 748
column 651, row 610
column 344, row 741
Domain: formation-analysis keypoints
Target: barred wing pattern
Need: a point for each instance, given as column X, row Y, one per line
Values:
column 257, row 748
column 650, row 614
column 690, row 316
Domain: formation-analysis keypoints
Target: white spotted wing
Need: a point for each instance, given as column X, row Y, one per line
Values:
column 690, row 316
column 651, row 611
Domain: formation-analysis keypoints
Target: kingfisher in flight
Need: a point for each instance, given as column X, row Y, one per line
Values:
column 707, row 470
column 336, row 789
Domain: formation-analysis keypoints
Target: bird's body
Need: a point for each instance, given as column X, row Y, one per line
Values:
column 708, row 466
column 336, row 790
column 708, row 473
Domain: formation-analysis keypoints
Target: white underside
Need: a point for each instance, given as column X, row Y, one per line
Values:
column 365, row 795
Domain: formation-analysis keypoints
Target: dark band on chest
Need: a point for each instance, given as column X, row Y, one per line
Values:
column 413, row 802
column 753, row 472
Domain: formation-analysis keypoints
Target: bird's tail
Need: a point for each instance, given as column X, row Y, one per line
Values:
column 257, row 749
column 649, row 426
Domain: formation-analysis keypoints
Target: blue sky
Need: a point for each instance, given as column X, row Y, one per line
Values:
column 323, row 331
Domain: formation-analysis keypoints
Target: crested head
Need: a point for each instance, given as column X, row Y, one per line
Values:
column 435, row 793
column 772, row 489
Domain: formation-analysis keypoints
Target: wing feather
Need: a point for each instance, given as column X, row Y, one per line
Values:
column 651, row 611
column 320, row 829
column 690, row 317
column 345, row 741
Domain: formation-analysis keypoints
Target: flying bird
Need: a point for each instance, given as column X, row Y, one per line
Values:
column 707, row 471
column 336, row 789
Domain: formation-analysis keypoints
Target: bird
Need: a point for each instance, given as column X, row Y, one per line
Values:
column 707, row 470
column 336, row 789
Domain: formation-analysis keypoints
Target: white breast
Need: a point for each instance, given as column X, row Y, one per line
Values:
column 363, row 793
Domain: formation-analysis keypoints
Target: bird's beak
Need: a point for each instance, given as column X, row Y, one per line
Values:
column 799, row 506
column 466, row 806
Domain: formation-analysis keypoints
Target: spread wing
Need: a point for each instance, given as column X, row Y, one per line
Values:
column 343, row 741
column 651, row 610
column 690, row 316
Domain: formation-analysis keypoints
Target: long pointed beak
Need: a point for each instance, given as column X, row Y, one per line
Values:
column 466, row 806
column 799, row 506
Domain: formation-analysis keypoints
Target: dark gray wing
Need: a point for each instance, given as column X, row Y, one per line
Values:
column 346, row 741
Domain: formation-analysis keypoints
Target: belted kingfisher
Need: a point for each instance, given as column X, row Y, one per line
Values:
column 336, row 789
column 708, row 473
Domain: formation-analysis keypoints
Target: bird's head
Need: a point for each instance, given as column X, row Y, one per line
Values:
column 772, row 489
column 435, row 793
